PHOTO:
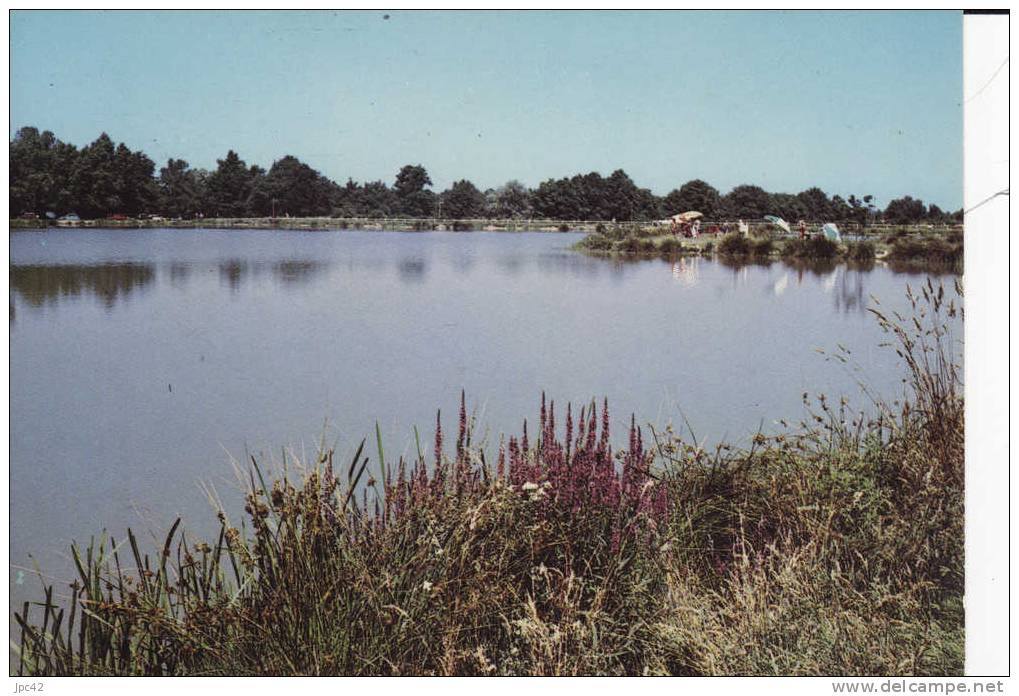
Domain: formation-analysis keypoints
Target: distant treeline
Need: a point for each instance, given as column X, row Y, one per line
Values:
column 104, row 179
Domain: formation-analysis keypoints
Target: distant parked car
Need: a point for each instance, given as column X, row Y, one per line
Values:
column 118, row 216
column 29, row 216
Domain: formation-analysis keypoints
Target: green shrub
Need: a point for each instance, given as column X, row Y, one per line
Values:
column 934, row 248
column 596, row 242
column 817, row 247
column 633, row 245
column 860, row 251
column 761, row 247
column 670, row 245
column 734, row 245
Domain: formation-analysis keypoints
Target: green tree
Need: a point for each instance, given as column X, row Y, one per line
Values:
column 747, row 202
column 905, row 210
column 40, row 168
column 817, row 204
column 861, row 210
column 93, row 182
column 462, row 200
column 415, row 200
column 693, row 195
column 292, row 188
column 180, row 189
column 135, row 188
column 623, row 200
column 788, row 207
column 378, row 200
column 230, row 187
column 512, row 200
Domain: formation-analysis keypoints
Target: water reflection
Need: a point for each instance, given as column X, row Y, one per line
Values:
column 292, row 273
column 780, row 285
column 179, row 274
column 231, row 272
column 851, row 296
column 685, row 270
column 46, row 284
column 412, row 270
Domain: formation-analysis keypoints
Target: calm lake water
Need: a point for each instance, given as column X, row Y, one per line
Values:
column 142, row 361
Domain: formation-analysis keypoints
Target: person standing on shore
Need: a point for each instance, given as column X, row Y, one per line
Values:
column 803, row 229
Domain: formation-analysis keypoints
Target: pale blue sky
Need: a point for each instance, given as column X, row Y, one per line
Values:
column 865, row 102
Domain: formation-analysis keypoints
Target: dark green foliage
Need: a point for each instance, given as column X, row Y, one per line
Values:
column 592, row 197
column 182, row 190
column 906, row 210
column 293, row 188
column 693, row 195
column 40, row 168
column 816, row 247
column 747, row 202
column 670, row 245
column 103, row 179
column 734, row 245
column 929, row 249
column 412, row 196
column 512, row 200
column 860, row 251
column 106, row 179
column 462, row 200
column 761, row 247
column 636, row 245
column 738, row 245
column 230, row 187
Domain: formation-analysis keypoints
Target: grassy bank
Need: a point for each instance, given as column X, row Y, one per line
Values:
column 834, row 547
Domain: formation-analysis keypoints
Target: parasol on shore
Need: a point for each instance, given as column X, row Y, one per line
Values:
column 831, row 231
column 778, row 222
column 687, row 216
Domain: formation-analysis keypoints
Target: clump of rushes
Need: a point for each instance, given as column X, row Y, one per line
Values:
column 636, row 245
column 734, row 245
column 738, row 245
column 670, row 245
column 931, row 249
column 835, row 546
column 761, row 247
column 860, row 251
column 811, row 248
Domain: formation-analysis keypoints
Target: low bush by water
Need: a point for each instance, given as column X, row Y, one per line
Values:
column 834, row 547
column 811, row 248
column 860, row 251
column 936, row 249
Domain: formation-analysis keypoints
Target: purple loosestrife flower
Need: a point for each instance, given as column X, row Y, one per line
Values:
column 461, row 437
